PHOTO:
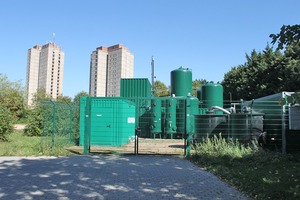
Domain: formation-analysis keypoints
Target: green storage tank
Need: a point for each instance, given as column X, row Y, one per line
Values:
column 212, row 95
column 108, row 121
column 170, row 116
column 156, row 116
column 181, row 82
column 199, row 94
column 135, row 87
column 192, row 108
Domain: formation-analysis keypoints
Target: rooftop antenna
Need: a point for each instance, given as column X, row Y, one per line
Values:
column 53, row 38
column 152, row 75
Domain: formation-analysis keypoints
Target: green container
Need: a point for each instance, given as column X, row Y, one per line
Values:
column 156, row 116
column 245, row 126
column 181, row 82
column 170, row 116
column 192, row 108
column 135, row 87
column 212, row 95
column 208, row 125
column 109, row 121
column 199, row 94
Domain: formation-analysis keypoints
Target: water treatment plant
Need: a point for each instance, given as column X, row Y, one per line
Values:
column 113, row 121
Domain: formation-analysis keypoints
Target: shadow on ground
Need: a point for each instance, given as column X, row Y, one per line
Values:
column 108, row 177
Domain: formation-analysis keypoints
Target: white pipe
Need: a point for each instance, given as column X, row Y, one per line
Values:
column 222, row 109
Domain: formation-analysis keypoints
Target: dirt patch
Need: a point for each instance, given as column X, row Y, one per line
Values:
column 145, row 146
column 19, row 126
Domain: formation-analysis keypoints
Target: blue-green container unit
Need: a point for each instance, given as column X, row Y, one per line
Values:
column 170, row 116
column 212, row 95
column 181, row 82
column 156, row 116
column 135, row 87
column 108, row 121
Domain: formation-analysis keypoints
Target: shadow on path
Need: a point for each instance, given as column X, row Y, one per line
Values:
column 108, row 177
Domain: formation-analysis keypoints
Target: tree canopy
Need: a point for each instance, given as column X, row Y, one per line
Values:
column 288, row 35
column 263, row 74
column 161, row 89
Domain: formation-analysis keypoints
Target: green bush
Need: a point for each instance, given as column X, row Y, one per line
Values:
column 34, row 126
column 6, row 123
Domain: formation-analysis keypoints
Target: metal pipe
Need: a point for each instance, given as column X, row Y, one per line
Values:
column 220, row 108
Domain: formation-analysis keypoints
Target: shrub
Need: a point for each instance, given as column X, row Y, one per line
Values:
column 6, row 123
column 34, row 126
column 219, row 146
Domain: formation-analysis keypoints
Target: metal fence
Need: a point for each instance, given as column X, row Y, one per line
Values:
column 60, row 123
column 111, row 124
column 268, row 122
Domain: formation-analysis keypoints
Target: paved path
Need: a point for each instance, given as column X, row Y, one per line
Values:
column 109, row 177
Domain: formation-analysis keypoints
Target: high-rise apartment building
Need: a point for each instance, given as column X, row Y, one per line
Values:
column 108, row 65
column 45, row 69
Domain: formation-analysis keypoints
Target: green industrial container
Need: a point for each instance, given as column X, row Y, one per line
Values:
column 276, row 116
column 199, row 94
column 156, row 116
column 212, row 95
column 108, row 121
column 170, row 116
column 245, row 126
column 192, row 108
column 208, row 125
column 135, row 87
column 181, row 82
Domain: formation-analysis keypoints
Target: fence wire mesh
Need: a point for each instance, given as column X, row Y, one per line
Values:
column 109, row 125
column 60, row 123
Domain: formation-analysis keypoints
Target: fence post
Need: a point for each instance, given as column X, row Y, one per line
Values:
column 86, row 143
column 53, row 121
column 71, row 121
column 136, row 141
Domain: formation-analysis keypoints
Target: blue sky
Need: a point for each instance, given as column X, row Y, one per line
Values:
column 210, row 36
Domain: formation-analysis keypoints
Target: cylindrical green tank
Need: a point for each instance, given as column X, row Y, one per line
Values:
column 212, row 95
column 199, row 94
column 181, row 82
column 192, row 108
column 170, row 117
column 155, row 116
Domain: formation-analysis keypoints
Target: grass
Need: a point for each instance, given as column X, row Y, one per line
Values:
column 21, row 145
column 259, row 173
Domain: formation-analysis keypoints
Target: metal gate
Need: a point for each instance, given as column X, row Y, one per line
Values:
column 160, row 125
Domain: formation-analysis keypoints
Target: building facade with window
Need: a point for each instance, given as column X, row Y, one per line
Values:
column 45, row 69
column 108, row 65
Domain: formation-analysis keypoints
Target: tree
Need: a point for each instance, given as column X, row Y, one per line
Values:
column 12, row 96
column 263, row 74
column 288, row 35
column 76, row 118
column 196, row 84
column 65, row 99
column 76, row 99
column 161, row 89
